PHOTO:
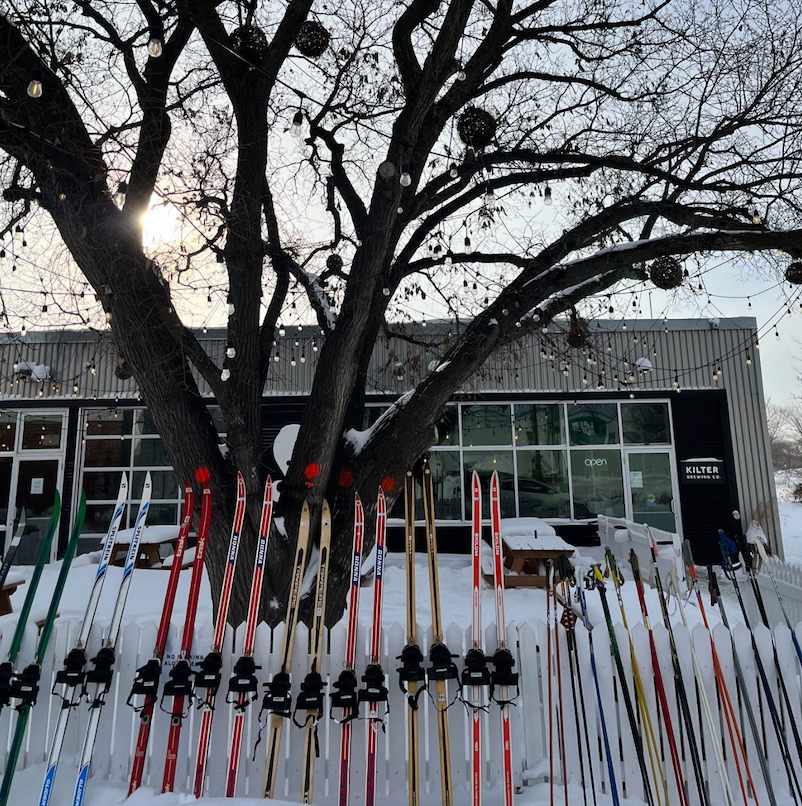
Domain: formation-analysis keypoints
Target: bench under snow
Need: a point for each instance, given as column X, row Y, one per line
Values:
column 521, row 534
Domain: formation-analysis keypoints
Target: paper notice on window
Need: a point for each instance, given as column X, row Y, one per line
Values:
column 636, row 479
column 37, row 486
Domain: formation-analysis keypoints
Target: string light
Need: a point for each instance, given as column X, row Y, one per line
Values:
column 547, row 196
column 405, row 180
column 225, row 374
column 35, row 88
column 297, row 123
column 122, row 192
column 155, row 47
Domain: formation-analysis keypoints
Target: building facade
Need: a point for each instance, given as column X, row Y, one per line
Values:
column 658, row 421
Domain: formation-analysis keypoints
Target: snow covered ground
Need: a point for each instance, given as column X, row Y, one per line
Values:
column 522, row 604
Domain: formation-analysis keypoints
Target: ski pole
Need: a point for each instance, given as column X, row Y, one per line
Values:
column 729, row 711
column 607, row 751
column 561, row 714
column 747, row 558
column 673, row 582
column 741, row 678
column 550, row 578
column 658, row 679
column 728, row 548
column 640, row 692
column 765, row 564
column 679, row 681
column 568, row 620
column 598, row 583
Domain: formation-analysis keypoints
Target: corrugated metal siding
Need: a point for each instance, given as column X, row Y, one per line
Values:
column 690, row 348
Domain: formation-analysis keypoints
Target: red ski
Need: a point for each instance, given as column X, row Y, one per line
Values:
column 147, row 678
column 244, row 682
column 346, row 685
column 375, row 691
column 503, row 658
column 476, row 645
column 209, row 675
column 179, row 685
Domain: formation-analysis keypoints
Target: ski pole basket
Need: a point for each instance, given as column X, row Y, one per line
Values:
column 278, row 697
column 25, row 685
column 244, row 681
column 209, row 675
column 375, row 690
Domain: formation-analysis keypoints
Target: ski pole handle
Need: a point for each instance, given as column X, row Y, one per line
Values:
column 761, row 550
column 633, row 561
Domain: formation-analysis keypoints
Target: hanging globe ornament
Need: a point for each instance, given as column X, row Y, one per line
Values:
column 250, row 42
column 793, row 274
column 666, row 272
column 334, row 262
column 578, row 332
column 476, row 127
column 312, row 39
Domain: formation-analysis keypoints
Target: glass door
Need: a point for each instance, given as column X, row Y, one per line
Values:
column 37, row 481
column 6, row 467
column 652, row 489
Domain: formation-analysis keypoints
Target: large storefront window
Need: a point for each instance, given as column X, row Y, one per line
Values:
column 126, row 440
column 570, row 461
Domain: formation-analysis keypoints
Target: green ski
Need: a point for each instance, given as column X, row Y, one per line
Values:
column 7, row 668
column 25, row 685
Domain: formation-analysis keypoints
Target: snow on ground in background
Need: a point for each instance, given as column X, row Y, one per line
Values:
column 790, row 514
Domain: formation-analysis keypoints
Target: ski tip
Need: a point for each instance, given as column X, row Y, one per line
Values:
column 202, row 475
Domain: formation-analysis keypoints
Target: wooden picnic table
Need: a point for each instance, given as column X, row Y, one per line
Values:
column 150, row 545
column 527, row 545
column 5, row 596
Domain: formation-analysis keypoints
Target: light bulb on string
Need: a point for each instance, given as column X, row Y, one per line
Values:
column 314, row 346
column 453, row 171
column 749, row 303
column 24, row 245
column 405, row 179
column 18, row 232
column 490, row 196
column 297, row 123
column 225, row 374
column 155, row 46
column 776, row 334
column 547, row 196
column 122, row 192
column 231, row 351
column 748, row 360
column 35, row 88
column 468, row 245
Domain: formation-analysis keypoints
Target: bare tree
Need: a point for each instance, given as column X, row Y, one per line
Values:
column 434, row 133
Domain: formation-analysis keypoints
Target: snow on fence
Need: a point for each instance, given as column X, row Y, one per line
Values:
column 533, row 726
column 621, row 535
column 789, row 581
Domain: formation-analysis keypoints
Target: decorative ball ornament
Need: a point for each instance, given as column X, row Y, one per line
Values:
column 666, row 272
column 793, row 274
column 476, row 127
column 122, row 370
column 250, row 42
column 312, row 39
column 334, row 262
column 578, row 333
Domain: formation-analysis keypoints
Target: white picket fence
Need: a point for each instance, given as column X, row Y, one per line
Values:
column 533, row 728
column 621, row 536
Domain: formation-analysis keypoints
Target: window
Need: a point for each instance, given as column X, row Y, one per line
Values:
column 645, row 424
column 555, row 460
column 486, row 425
column 539, row 424
column 543, row 484
column 8, row 430
column 598, row 484
column 42, row 432
column 593, row 424
column 125, row 441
